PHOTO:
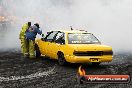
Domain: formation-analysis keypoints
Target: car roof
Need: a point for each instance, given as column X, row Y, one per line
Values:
column 73, row 31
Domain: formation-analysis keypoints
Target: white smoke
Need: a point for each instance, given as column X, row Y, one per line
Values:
column 109, row 20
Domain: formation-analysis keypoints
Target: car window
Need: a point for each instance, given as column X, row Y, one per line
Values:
column 60, row 34
column 51, row 35
column 60, row 38
column 82, row 38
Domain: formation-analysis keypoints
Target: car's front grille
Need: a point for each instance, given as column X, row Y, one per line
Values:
column 108, row 52
column 92, row 53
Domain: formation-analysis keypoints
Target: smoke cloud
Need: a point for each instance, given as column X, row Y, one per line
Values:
column 109, row 20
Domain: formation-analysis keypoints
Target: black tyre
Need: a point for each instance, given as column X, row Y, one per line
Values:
column 95, row 63
column 61, row 59
column 37, row 51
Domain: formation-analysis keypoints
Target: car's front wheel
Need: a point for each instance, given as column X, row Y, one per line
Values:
column 61, row 59
column 37, row 51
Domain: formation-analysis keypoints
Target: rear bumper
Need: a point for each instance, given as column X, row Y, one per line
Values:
column 88, row 59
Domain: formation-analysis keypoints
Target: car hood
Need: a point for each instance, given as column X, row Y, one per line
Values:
column 90, row 47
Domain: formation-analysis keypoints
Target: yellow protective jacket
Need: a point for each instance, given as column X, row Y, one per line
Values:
column 23, row 30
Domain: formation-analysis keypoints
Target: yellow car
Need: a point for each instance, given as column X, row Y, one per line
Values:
column 74, row 47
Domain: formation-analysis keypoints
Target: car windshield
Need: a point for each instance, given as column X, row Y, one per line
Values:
column 82, row 38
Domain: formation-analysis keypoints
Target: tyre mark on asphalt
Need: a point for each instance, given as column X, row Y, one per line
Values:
column 31, row 76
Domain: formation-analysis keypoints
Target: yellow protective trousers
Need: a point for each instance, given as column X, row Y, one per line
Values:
column 24, row 47
column 30, row 47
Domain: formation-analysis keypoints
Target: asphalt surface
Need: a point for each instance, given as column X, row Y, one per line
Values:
column 18, row 72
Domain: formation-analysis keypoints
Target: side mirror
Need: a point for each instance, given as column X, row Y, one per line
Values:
column 42, row 35
column 43, row 39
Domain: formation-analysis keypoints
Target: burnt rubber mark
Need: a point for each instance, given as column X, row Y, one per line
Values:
column 31, row 76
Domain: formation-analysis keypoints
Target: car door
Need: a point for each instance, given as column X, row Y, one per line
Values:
column 44, row 44
column 55, row 45
column 49, row 43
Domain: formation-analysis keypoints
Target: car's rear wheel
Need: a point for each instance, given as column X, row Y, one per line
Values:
column 95, row 63
column 61, row 59
column 37, row 51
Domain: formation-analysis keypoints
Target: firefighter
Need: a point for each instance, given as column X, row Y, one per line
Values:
column 30, row 39
column 22, row 38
